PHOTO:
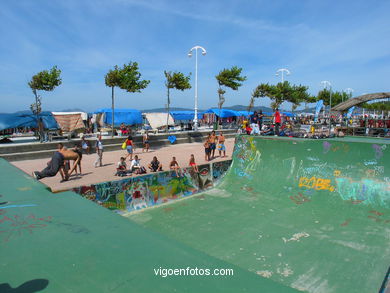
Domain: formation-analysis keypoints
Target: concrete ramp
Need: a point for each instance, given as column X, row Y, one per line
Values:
column 310, row 214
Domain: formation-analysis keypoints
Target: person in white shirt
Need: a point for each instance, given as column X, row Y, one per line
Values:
column 136, row 166
column 99, row 152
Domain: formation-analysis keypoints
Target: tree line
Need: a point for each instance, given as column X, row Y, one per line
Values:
column 129, row 78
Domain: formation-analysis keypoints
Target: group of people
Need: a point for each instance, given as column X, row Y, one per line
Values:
column 60, row 162
column 212, row 143
column 255, row 124
column 154, row 166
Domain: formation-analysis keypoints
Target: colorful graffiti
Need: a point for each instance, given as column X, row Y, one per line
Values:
column 316, row 183
column 139, row 192
column 355, row 171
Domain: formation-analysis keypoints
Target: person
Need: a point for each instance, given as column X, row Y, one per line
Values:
column 155, row 165
column 207, row 150
column 85, row 145
column 121, row 169
column 136, row 166
column 71, row 155
column 277, row 121
column 122, row 129
column 193, row 164
column 78, row 150
column 145, row 140
column 213, row 143
column 99, row 151
column 260, row 119
column 254, row 123
column 53, row 166
column 129, row 147
column 174, row 165
column 267, row 130
column 221, row 145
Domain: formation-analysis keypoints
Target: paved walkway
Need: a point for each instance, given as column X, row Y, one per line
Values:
column 92, row 175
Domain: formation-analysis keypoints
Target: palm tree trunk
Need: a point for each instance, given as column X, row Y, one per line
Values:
column 112, row 122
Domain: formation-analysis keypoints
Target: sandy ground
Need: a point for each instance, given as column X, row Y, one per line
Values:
column 92, row 175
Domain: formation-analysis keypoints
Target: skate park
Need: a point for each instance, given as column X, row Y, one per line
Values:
column 289, row 215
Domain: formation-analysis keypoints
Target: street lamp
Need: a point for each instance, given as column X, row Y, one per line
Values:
column 349, row 92
column 196, row 80
column 327, row 84
column 282, row 71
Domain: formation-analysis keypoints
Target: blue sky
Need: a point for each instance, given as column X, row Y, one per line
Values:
column 345, row 42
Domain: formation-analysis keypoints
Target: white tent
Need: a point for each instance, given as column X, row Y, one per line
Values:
column 158, row 120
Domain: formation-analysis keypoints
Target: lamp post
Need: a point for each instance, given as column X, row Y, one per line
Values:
column 196, row 81
column 282, row 71
column 327, row 84
column 349, row 91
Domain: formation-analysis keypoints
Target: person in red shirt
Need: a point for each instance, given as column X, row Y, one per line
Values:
column 277, row 120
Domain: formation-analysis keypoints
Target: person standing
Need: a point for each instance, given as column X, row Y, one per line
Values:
column 213, row 143
column 145, row 140
column 277, row 120
column 221, row 145
column 99, row 151
column 207, row 149
column 260, row 119
column 254, row 123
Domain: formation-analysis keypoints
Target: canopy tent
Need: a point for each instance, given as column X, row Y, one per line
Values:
column 126, row 116
column 16, row 120
column 69, row 121
column 185, row 115
column 223, row 113
column 157, row 120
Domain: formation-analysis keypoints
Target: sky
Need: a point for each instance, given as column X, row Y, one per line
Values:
column 344, row 42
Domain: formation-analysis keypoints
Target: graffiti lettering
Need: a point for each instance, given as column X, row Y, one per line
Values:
column 316, row 183
column 299, row 199
column 17, row 225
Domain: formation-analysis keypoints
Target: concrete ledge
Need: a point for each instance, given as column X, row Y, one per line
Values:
column 45, row 150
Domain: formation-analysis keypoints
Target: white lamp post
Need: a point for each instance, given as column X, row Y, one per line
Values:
column 327, row 84
column 282, row 71
column 196, row 81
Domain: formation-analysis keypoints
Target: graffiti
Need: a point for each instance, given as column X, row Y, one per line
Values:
column 367, row 191
column 316, row 183
column 345, row 223
column 326, row 147
column 299, row 199
column 139, row 192
column 15, row 225
column 378, row 151
column 220, row 169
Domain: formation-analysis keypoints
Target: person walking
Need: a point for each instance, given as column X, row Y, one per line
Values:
column 99, row 151
column 129, row 147
column 277, row 120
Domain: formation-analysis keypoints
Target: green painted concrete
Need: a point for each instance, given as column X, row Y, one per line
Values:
column 78, row 246
column 310, row 214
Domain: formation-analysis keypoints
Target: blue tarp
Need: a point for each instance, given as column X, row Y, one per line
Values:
column 16, row 120
column 224, row 113
column 245, row 113
column 126, row 116
column 184, row 115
